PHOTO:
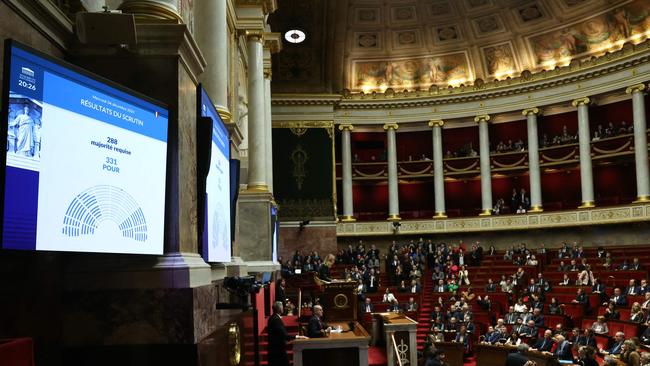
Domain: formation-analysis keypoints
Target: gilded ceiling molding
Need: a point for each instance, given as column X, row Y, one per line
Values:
column 303, row 124
column 391, row 126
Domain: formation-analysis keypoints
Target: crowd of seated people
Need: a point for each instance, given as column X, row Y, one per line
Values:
column 519, row 203
column 467, row 150
column 503, row 147
column 564, row 138
column 611, row 130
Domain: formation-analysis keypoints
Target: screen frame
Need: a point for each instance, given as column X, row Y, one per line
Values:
column 9, row 45
column 200, row 92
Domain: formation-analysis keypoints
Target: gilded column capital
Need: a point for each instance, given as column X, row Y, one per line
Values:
column 252, row 34
column 529, row 111
column 391, row 126
column 581, row 101
column 152, row 10
column 346, row 127
column 268, row 73
column 635, row 88
column 436, row 123
column 482, row 118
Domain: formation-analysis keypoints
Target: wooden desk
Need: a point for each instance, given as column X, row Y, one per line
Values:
column 491, row 355
column 454, row 353
column 404, row 330
column 349, row 348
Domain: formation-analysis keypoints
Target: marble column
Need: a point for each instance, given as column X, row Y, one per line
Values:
column 212, row 36
column 535, row 179
column 486, row 175
column 346, row 157
column 268, row 129
column 393, row 189
column 438, row 171
column 640, row 143
column 257, row 180
column 584, row 138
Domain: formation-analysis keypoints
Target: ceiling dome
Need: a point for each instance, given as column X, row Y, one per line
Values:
column 372, row 45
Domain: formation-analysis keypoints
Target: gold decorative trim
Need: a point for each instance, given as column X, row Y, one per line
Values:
column 436, row 123
column 347, row 218
column 587, row 204
column 257, row 188
column 303, row 124
column 635, row 88
column 391, row 126
column 252, row 34
column 528, row 111
column 347, row 127
column 224, row 113
column 440, row 215
column 147, row 10
column 642, row 199
column 234, row 344
column 482, row 118
column 631, row 213
column 486, row 212
column 581, row 101
column 535, row 209
column 393, row 218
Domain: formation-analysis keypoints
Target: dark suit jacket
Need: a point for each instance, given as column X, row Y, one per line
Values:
column 544, row 344
column 315, row 327
column 563, row 351
column 280, row 295
column 516, row 359
column 278, row 337
column 622, row 300
column 324, row 273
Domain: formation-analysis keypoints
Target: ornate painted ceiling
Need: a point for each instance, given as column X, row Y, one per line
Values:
column 372, row 45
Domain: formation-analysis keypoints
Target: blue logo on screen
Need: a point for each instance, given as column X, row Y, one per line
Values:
column 105, row 203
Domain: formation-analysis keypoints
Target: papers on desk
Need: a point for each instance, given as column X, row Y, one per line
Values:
column 336, row 331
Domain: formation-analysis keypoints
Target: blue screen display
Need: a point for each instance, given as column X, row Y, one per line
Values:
column 216, row 233
column 85, row 161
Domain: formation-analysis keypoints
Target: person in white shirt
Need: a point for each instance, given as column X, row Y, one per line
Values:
column 388, row 296
column 520, row 307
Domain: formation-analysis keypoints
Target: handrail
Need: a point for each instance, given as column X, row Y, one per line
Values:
column 399, row 359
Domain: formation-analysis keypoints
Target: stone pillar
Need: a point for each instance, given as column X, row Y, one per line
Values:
column 486, row 176
column 393, row 189
column 346, row 157
column 268, row 130
column 438, row 171
column 640, row 143
column 533, row 160
column 212, row 36
column 257, row 181
column 584, row 138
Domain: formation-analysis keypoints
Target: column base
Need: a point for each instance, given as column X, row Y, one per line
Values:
column 487, row 212
column 642, row 199
column 587, row 204
column 347, row 218
column 440, row 215
column 536, row 209
column 393, row 218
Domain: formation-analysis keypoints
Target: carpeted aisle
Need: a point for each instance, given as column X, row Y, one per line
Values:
column 377, row 356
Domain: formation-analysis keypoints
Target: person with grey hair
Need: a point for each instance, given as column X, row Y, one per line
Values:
column 518, row 358
column 278, row 337
column 316, row 328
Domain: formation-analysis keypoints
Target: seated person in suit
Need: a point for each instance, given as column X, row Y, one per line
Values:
column 618, row 298
column 611, row 313
column 316, row 328
column 530, row 330
column 492, row 336
column 394, row 306
column 600, row 326
column 511, row 317
column 514, row 340
column 586, row 356
column 367, row 307
column 562, row 349
column 586, row 339
column 519, row 327
column 411, row 305
column 545, row 343
column 538, row 318
column 437, row 335
column 463, row 337
column 518, row 358
column 615, row 349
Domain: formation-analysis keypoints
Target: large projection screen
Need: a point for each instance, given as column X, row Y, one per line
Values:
column 84, row 162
